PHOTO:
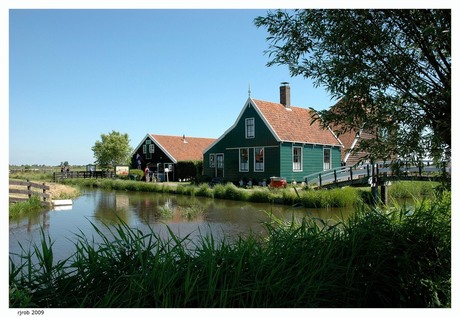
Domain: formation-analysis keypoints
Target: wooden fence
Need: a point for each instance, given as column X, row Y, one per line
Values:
column 82, row 174
column 30, row 189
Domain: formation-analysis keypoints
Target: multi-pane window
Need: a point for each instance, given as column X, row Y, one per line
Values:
column 259, row 159
column 212, row 160
column 244, row 160
column 327, row 159
column 297, row 158
column 220, row 161
column 250, row 129
column 148, row 149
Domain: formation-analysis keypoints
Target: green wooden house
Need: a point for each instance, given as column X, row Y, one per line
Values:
column 270, row 139
column 169, row 157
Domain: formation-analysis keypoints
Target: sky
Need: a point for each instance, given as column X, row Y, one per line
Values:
column 77, row 74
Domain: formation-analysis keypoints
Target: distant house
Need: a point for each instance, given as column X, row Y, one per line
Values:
column 350, row 141
column 272, row 139
column 170, row 157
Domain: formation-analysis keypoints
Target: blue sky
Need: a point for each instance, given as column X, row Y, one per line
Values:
column 76, row 74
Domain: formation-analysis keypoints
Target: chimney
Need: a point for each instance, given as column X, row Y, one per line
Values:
column 285, row 95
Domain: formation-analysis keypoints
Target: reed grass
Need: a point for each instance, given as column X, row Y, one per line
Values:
column 377, row 258
column 410, row 189
column 25, row 207
column 338, row 197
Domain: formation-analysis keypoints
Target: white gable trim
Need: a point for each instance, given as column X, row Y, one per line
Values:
column 249, row 101
column 358, row 135
column 142, row 142
column 150, row 136
column 163, row 149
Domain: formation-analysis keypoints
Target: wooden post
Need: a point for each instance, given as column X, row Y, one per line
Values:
column 319, row 177
column 28, row 189
column 44, row 192
column 335, row 176
column 351, row 174
column 383, row 190
column 374, row 186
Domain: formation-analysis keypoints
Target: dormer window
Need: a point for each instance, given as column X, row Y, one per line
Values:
column 250, row 129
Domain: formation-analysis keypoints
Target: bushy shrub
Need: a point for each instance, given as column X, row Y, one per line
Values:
column 204, row 191
column 261, row 195
column 136, row 172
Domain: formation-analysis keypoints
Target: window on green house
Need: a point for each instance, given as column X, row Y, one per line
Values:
column 259, row 159
column 250, row 129
column 212, row 160
column 327, row 159
column 244, row 160
column 297, row 159
column 148, row 149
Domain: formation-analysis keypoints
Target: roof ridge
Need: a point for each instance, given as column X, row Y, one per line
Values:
column 278, row 103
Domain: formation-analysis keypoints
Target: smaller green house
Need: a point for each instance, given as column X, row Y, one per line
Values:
column 271, row 139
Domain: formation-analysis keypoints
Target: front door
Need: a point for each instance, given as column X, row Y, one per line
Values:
column 219, row 165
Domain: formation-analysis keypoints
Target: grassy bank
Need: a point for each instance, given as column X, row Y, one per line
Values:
column 25, row 207
column 377, row 258
column 339, row 197
column 56, row 191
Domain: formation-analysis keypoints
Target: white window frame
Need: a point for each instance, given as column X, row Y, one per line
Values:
column 297, row 166
column 152, row 148
column 256, row 164
column 330, row 158
column 245, row 167
column 250, row 133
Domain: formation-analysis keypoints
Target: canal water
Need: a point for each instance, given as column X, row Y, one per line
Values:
column 104, row 209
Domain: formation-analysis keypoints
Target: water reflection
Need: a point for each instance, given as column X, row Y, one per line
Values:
column 103, row 209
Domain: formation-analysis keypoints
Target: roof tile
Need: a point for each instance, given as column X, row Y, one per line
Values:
column 190, row 150
column 294, row 125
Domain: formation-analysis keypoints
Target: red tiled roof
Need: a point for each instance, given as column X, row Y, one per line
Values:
column 294, row 125
column 190, row 150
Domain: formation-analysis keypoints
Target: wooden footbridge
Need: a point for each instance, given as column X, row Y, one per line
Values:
column 377, row 174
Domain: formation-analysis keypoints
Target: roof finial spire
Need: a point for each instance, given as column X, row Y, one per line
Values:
column 249, row 89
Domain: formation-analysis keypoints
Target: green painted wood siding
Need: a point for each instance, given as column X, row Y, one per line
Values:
column 236, row 138
column 277, row 158
column 312, row 160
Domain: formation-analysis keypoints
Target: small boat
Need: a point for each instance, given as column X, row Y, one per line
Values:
column 62, row 202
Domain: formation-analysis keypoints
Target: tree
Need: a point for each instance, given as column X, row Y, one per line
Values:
column 113, row 149
column 389, row 69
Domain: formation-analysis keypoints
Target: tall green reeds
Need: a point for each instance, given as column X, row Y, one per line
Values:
column 25, row 207
column 338, row 197
column 377, row 258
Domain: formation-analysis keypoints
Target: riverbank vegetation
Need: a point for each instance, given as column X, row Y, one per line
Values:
column 24, row 207
column 338, row 197
column 56, row 191
column 377, row 258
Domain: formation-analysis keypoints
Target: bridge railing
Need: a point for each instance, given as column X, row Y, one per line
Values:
column 362, row 172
